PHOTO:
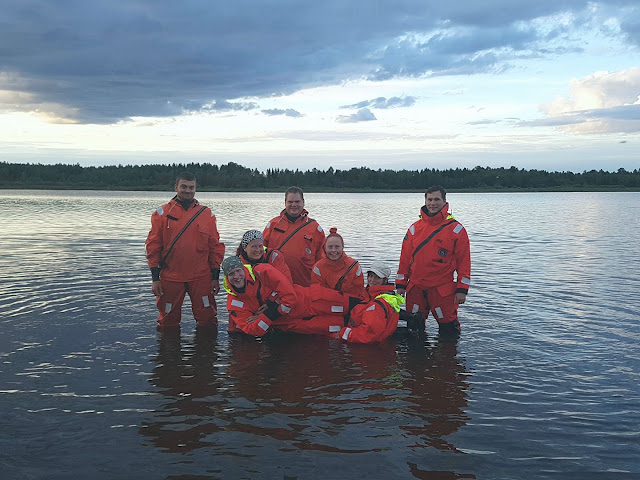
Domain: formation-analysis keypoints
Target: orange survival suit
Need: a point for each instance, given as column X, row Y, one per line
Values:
column 310, row 310
column 374, row 321
column 192, row 263
column 432, row 250
column 272, row 257
column 344, row 275
column 300, row 241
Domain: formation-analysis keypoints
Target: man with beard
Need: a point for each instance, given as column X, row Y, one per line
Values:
column 433, row 249
column 184, row 252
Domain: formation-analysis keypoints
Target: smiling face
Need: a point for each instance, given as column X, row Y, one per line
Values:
column 236, row 277
column 434, row 202
column 186, row 190
column 294, row 204
column 333, row 248
column 254, row 249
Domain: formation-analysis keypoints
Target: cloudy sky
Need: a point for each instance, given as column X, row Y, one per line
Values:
column 550, row 84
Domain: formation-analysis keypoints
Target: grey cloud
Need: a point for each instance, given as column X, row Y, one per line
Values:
column 363, row 115
column 226, row 106
column 631, row 26
column 483, row 122
column 383, row 102
column 106, row 60
column 615, row 119
column 289, row 112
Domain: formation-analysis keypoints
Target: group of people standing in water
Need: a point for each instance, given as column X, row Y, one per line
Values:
column 291, row 277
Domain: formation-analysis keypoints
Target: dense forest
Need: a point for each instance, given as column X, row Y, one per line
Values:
column 232, row 176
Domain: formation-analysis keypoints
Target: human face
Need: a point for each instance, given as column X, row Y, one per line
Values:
column 434, row 202
column 333, row 248
column 373, row 279
column 186, row 190
column 236, row 277
column 294, row 204
column 255, row 249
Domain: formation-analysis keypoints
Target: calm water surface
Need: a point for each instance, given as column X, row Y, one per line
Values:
column 542, row 384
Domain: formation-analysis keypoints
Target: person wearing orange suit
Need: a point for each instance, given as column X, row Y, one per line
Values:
column 433, row 249
column 260, row 297
column 297, row 236
column 337, row 270
column 252, row 251
column 377, row 320
column 184, row 252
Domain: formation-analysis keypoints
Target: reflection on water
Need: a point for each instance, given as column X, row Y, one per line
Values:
column 290, row 394
column 542, row 383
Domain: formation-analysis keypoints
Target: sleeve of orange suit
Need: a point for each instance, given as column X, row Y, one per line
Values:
column 216, row 248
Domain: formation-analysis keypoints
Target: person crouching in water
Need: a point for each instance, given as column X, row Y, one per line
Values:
column 252, row 252
column 377, row 320
column 337, row 270
column 260, row 297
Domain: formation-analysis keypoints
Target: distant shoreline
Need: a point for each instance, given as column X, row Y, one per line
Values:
column 233, row 177
column 604, row 188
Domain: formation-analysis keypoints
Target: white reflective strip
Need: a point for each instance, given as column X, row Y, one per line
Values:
column 285, row 309
column 167, row 308
column 316, row 270
column 337, row 309
column 205, row 301
column 213, row 214
column 274, row 294
column 439, row 312
column 359, row 271
column 274, row 255
column 415, row 308
column 346, row 333
column 399, row 276
column 458, row 228
column 263, row 325
column 466, row 281
column 268, row 225
column 412, row 229
column 160, row 211
column 237, row 303
column 320, row 228
column 334, row 328
column 372, row 307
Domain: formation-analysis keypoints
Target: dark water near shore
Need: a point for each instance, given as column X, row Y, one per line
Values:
column 542, row 384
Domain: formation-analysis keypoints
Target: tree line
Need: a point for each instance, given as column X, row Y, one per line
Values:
column 232, row 176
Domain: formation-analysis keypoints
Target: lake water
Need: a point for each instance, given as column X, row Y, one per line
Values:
column 543, row 382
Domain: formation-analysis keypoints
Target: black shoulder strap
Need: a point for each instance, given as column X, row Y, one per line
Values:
column 339, row 282
column 433, row 234
column 162, row 263
column 381, row 303
column 304, row 224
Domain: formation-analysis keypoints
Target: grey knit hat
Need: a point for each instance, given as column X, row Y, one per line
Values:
column 250, row 236
column 230, row 263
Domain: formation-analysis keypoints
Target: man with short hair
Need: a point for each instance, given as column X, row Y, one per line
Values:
column 184, row 252
column 433, row 249
column 297, row 236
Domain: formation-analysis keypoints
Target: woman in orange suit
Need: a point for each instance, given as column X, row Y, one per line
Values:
column 337, row 270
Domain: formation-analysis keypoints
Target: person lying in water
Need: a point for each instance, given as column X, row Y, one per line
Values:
column 377, row 319
column 260, row 297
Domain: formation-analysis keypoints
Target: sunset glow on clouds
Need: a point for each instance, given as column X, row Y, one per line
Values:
column 409, row 84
